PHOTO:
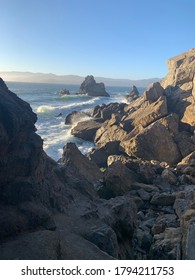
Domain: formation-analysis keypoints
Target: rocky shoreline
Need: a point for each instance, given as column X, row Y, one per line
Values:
column 133, row 197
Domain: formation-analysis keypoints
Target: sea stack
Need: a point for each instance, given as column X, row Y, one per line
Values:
column 134, row 94
column 90, row 87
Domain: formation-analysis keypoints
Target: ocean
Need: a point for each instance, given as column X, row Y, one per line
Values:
column 47, row 103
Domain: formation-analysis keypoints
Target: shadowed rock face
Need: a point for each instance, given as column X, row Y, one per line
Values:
column 141, row 204
column 90, row 87
column 51, row 207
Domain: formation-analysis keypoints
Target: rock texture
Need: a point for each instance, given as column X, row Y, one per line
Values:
column 53, row 208
column 134, row 94
column 133, row 197
column 154, row 163
column 90, row 87
column 179, row 85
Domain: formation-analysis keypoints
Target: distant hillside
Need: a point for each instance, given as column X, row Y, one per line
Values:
column 70, row 79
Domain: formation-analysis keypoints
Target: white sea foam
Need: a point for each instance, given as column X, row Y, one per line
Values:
column 45, row 109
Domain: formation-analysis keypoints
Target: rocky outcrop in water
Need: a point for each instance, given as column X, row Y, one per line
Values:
column 134, row 94
column 90, row 87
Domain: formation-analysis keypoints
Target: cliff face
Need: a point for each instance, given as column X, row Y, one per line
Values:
column 181, row 71
column 179, row 85
column 53, row 208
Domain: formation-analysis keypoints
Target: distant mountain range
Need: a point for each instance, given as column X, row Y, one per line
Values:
column 70, row 79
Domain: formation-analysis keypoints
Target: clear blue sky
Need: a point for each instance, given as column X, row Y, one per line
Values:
column 111, row 38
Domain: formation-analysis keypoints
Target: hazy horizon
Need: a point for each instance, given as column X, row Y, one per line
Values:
column 126, row 39
column 15, row 76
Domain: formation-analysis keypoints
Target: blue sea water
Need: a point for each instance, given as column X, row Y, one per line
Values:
column 47, row 104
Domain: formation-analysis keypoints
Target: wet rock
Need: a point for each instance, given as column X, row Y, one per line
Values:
column 75, row 117
column 86, row 130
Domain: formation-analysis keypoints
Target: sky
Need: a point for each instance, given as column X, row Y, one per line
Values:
column 130, row 39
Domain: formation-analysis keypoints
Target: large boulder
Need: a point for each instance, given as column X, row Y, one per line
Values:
column 153, row 92
column 153, row 143
column 110, row 131
column 100, row 156
column 147, row 114
column 118, row 178
column 90, row 87
column 105, row 111
column 86, row 130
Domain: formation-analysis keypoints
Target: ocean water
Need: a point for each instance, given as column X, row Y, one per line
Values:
column 47, row 104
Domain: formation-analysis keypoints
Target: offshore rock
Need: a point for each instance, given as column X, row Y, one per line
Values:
column 90, row 87
column 134, row 94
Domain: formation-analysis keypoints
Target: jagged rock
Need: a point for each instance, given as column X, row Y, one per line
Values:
column 64, row 92
column 188, row 230
column 105, row 111
column 181, row 71
column 171, row 122
column 164, row 221
column 100, row 156
column 167, row 245
column 73, row 158
column 120, row 213
column 110, row 131
column 134, row 94
column 90, row 87
column 75, row 117
column 118, row 178
column 145, row 170
column 153, row 92
column 105, row 238
column 163, row 199
column 154, row 143
column 86, row 130
column 193, row 88
column 185, row 143
column 187, row 167
column 169, row 176
column 147, row 114
column 181, row 78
